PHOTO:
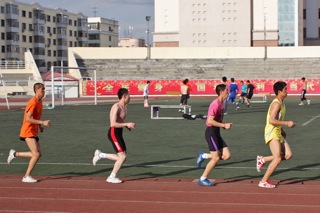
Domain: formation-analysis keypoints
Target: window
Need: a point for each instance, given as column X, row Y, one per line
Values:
column 30, row 14
column 2, row 9
column 304, row 14
column 53, row 19
column 75, row 33
column 49, row 30
column 54, row 42
column 54, row 30
column 75, row 23
column 30, row 39
column 49, row 53
column 3, row 49
column 23, row 13
column 3, row 36
column 109, row 38
column 70, row 22
column 2, row 23
column 319, row 32
column 48, row 18
column 24, row 26
column 70, row 43
column 54, row 53
column 319, row 13
column 24, row 38
column 70, row 32
column 304, row 32
column 30, row 27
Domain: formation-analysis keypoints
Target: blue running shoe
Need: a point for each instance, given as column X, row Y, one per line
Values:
column 200, row 159
column 205, row 182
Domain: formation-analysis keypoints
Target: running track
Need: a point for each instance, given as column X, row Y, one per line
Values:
column 88, row 194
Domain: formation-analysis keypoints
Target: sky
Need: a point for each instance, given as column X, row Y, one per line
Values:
column 131, row 14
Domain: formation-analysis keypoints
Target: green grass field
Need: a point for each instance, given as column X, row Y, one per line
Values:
column 163, row 148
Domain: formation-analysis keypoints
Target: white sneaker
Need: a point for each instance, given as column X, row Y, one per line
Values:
column 308, row 101
column 96, row 157
column 11, row 156
column 113, row 180
column 301, row 104
column 29, row 179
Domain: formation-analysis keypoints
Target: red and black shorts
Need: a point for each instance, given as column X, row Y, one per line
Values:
column 115, row 136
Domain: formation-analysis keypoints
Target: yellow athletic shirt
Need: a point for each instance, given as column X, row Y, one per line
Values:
column 271, row 131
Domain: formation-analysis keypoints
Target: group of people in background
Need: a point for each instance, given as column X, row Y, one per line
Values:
column 245, row 96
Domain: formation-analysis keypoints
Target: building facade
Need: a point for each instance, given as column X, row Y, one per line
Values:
column 240, row 23
column 103, row 32
column 132, row 42
column 46, row 32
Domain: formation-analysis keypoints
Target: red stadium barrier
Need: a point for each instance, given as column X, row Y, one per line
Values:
column 199, row 87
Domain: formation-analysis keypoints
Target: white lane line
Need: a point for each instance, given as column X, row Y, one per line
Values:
column 309, row 121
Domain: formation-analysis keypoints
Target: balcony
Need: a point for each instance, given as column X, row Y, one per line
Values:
column 12, row 16
column 11, row 29
column 12, row 55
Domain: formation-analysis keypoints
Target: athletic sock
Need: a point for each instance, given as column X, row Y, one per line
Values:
column 203, row 178
column 113, row 175
column 102, row 155
column 205, row 155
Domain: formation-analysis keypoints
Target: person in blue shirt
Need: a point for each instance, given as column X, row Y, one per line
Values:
column 243, row 92
column 233, row 90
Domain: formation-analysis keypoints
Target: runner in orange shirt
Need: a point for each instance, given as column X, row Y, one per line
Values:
column 29, row 132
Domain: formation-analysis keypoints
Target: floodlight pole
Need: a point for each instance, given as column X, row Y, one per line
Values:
column 148, row 18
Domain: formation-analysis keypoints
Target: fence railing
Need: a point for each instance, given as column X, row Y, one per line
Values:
column 13, row 64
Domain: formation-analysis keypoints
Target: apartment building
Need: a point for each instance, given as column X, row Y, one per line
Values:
column 238, row 23
column 48, row 33
column 132, row 42
column 103, row 32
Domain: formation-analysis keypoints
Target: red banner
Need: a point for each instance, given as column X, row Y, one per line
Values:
column 162, row 87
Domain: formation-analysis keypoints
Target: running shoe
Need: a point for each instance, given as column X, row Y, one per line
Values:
column 96, row 157
column 260, row 163
column 266, row 184
column 308, row 101
column 301, row 104
column 113, row 180
column 11, row 156
column 205, row 182
column 200, row 159
column 29, row 179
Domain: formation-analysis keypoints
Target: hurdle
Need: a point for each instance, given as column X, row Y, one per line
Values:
column 155, row 111
column 259, row 95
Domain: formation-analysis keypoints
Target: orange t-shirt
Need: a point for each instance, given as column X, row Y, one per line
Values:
column 28, row 129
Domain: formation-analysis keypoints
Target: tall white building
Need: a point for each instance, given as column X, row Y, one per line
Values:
column 208, row 23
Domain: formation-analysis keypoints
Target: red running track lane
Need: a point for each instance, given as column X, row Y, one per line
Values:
column 87, row 194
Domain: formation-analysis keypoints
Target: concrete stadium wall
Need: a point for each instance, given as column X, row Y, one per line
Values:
column 201, row 63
